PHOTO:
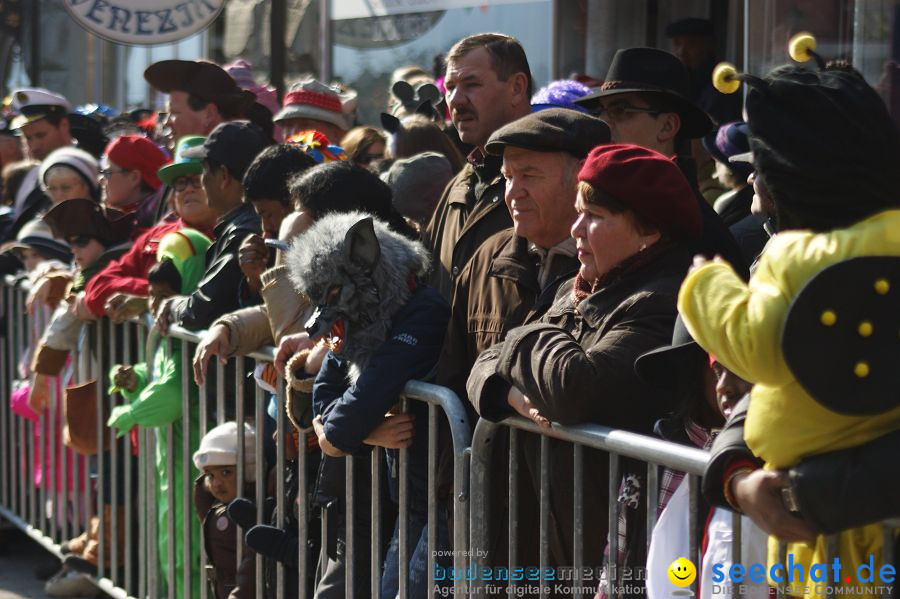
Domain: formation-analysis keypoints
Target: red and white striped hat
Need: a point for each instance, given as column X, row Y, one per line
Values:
column 312, row 99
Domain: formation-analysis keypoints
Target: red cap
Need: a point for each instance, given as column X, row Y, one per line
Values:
column 648, row 183
column 133, row 152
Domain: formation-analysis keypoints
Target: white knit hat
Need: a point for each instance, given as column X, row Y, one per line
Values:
column 219, row 448
column 78, row 160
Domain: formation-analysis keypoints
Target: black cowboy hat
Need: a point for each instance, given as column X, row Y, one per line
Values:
column 665, row 366
column 652, row 71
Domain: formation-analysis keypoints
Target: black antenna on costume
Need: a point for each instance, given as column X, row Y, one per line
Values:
column 802, row 47
column 727, row 79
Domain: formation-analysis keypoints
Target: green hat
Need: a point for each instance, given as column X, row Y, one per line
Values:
column 182, row 165
column 186, row 248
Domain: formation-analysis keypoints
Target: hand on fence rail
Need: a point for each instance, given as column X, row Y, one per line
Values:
column 124, row 306
column 758, row 494
column 396, row 432
column 125, row 378
column 289, row 345
column 164, row 317
column 214, row 343
column 521, row 404
column 81, row 310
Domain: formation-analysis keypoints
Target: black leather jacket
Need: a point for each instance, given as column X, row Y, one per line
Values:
column 835, row 491
column 219, row 291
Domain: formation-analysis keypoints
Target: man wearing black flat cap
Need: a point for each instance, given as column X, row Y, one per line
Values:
column 201, row 95
column 645, row 101
column 513, row 276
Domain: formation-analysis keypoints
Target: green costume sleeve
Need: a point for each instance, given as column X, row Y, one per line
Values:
column 121, row 417
column 159, row 402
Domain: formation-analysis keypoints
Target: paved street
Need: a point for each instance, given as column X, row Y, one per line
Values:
column 19, row 558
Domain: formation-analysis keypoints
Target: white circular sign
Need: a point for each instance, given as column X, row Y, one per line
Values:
column 144, row 22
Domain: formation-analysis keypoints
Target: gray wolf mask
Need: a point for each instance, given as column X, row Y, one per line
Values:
column 356, row 272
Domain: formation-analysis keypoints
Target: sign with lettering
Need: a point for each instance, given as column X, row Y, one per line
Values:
column 144, row 22
column 360, row 9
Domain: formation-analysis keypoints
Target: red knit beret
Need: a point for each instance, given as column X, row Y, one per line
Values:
column 648, row 183
column 133, row 152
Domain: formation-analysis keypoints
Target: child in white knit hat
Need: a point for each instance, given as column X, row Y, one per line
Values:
column 217, row 459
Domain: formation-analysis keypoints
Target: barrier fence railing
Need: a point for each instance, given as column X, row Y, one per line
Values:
column 119, row 493
column 138, row 489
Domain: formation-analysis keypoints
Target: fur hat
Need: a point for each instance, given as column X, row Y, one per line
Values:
column 372, row 267
column 561, row 93
column 78, row 160
column 219, row 447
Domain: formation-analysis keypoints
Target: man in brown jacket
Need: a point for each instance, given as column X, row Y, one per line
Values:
column 513, row 277
column 488, row 85
column 516, row 271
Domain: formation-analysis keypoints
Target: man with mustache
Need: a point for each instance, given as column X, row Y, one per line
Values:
column 488, row 85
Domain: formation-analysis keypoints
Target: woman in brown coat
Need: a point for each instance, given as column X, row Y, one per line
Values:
column 576, row 364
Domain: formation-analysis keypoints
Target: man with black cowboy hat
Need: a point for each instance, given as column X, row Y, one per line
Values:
column 201, row 95
column 645, row 101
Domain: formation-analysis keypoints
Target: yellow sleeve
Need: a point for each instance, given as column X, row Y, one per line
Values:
column 738, row 323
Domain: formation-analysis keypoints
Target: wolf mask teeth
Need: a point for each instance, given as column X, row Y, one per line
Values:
column 355, row 271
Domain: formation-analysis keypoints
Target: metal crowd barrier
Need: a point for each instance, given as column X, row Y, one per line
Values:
column 618, row 445
column 63, row 505
column 134, row 570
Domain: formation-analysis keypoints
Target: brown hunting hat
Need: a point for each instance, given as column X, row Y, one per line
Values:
column 552, row 130
column 87, row 218
column 206, row 80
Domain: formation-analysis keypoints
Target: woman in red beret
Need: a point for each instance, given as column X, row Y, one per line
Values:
column 129, row 180
column 576, row 364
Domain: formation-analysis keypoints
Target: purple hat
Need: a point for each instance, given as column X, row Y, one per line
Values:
column 242, row 73
column 561, row 93
column 730, row 140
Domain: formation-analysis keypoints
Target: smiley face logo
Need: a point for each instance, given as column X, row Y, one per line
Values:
column 682, row 572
